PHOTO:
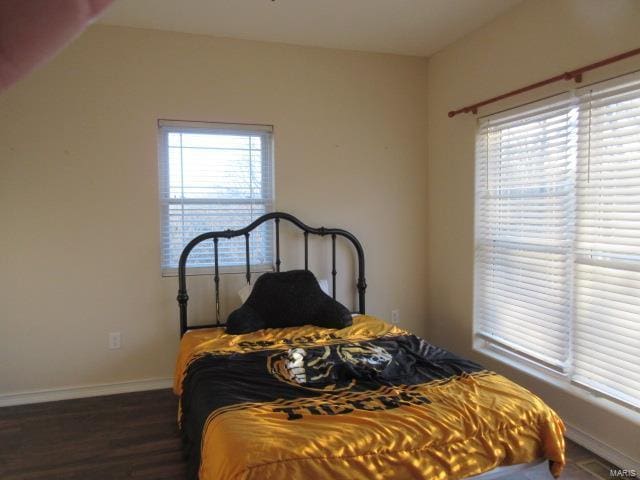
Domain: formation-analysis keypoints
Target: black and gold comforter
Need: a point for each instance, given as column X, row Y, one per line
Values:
column 370, row 401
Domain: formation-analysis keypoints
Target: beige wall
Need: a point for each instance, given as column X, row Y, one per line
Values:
column 537, row 39
column 79, row 248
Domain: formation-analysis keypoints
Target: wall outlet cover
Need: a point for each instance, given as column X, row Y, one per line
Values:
column 114, row 340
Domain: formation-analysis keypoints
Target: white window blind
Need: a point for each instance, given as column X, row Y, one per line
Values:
column 606, row 355
column 214, row 177
column 558, row 235
column 523, row 239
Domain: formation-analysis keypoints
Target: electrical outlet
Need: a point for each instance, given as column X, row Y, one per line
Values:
column 395, row 317
column 114, row 340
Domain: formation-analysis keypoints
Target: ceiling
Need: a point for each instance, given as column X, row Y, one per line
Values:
column 409, row 27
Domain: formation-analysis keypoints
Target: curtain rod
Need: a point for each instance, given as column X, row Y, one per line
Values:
column 570, row 75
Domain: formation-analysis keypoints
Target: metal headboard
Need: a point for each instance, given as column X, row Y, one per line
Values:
column 183, row 297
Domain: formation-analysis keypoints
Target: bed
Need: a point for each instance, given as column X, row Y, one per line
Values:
column 368, row 401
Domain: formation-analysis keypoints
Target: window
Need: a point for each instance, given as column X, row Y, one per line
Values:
column 214, row 177
column 557, row 250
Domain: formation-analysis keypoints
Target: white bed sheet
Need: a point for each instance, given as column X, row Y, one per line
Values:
column 516, row 472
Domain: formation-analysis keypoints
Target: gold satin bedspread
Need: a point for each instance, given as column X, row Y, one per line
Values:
column 470, row 424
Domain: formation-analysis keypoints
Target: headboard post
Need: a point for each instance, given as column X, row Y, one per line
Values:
column 247, row 258
column 278, row 262
column 216, row 278
column 183, row 297
column 334, row 272
column 306, row 250
column 362, row 288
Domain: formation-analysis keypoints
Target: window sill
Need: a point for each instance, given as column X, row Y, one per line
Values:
column 556, row 379
column 231, row 270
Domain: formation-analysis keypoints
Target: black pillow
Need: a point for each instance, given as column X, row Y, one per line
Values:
column 287, row 299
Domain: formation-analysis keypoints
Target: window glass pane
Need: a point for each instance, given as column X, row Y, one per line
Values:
column 174, row 139
column 524, row 190
column 215, row 180
column 558, row 235
column 186, row 221
column 607, row 272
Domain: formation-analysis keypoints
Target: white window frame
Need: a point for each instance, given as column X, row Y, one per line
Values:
column 181, row 126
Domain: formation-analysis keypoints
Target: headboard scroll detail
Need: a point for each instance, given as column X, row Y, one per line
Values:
column 183, row 297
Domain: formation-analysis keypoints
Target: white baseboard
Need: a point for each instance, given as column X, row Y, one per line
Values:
column 55, row 394
column 601, row 449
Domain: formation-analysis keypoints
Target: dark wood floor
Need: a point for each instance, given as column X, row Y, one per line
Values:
column 125, row 436
column 102, row 438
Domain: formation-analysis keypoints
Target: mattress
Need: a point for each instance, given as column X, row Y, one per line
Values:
column 371, row 401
